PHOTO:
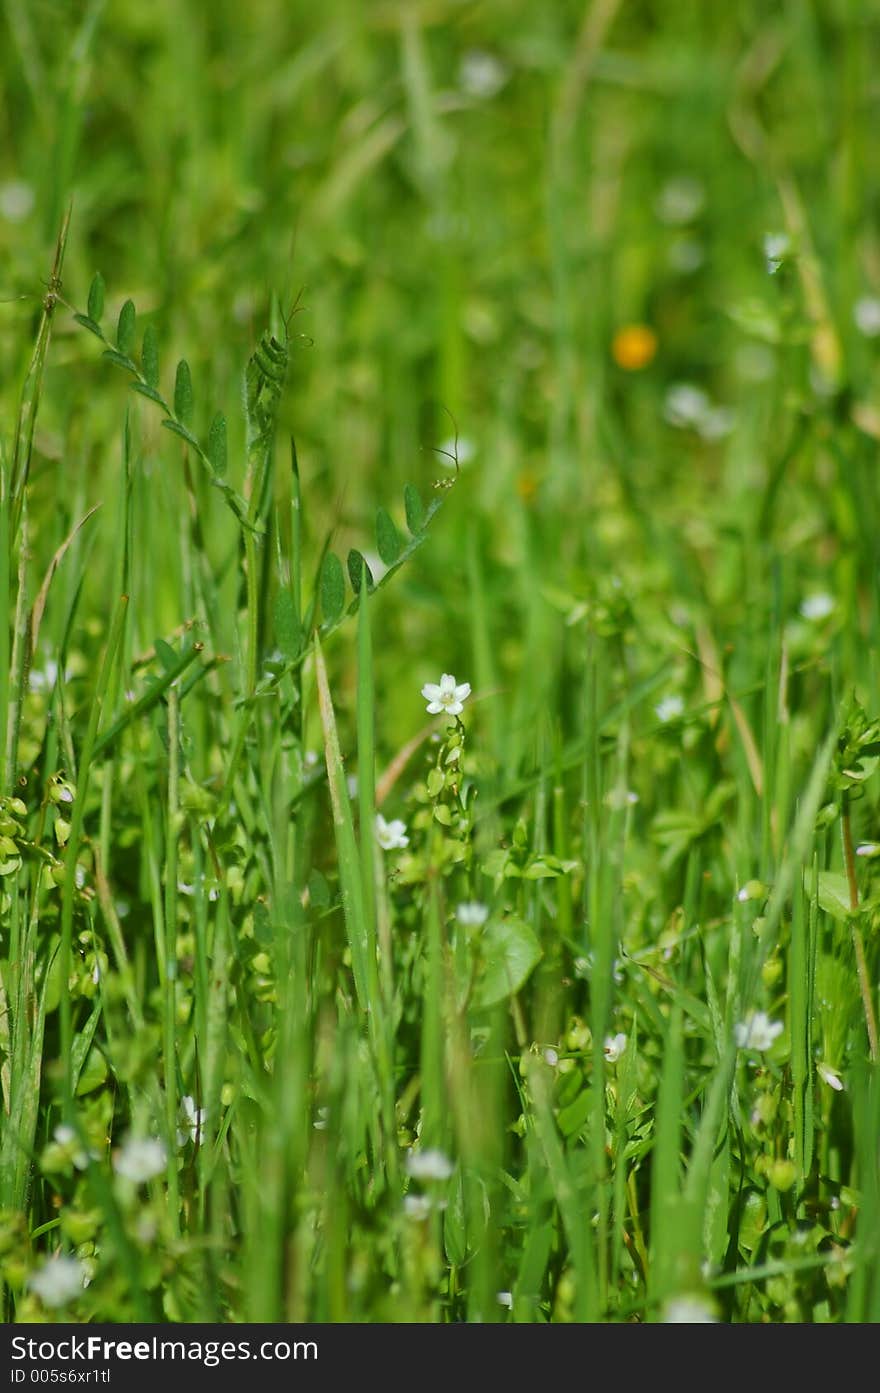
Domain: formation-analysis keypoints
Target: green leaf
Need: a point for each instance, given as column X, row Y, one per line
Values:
column 356, row 568
column 150, row 357
column 287, row 631
column 166, row 654
column 96, row 298
column 94, row 1073
column 415, row 510
column 149, row 392
column 217, row 444
column 510, row 952
column 332, row 588
column 180, row 430
column 120, row 360
column 319, row 890
column 125, row 329
column 183, row 393
column 388, row 540
column 90, row 324
column 833, row 894
column 572, row 1117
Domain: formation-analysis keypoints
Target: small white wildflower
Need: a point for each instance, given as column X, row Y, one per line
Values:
column 96, row 972
column 689, row 1310
column 184, row 888
column 680, row 200
column 16, row 200
column 194, row 1121
column 777, row 246
column 480, row 74
column 817, row 606
column 59, row 1280
column 685, row 405
column 866, row 313
column 65, row 794
column 619, row 798
column 417, row 1207
column 79, row 877
column 351, row 783
column 830, row 1076
column 43, row 679
column 429, row 1165
column 471, row 914
column 551, row 1057
column 391, row 836
column 868, row 849
column 669, row 708
column 614, row 1047
column 140, row 1159
column 757, row 1031
column 450, row 450
column 311, row 759
column 65, row 1136
column 321, row 1119
column 447, row 695
column 505, row 1298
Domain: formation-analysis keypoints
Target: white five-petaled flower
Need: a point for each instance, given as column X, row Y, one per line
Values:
column 614, row 1047
column 817, row 606
column 505, row 1298
column 472, row 914
column 417, row 1207
column 777, row 246
column 757, row 1031
column 59, row 1280
column 831, row 1077
column 866, row 313
column 429, row 1165
column 140, row 1159
column 391, row 836
column 688, row 1310
column 193, row 1122
column 446, row 695
column 669, row 709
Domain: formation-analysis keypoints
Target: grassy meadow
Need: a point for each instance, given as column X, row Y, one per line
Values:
column 439, row 661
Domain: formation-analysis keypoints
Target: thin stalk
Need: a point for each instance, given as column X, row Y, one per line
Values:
column 849, row 862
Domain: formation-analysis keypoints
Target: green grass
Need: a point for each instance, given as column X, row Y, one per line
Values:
column 313, row 387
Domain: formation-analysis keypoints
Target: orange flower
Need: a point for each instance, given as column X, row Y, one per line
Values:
column 633, row 347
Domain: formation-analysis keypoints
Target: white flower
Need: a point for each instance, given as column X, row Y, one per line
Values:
column 619, row 798
column 429, row 1165
column 817, row 606
column 193, row 1121
column 65, row 1136
column 351, row 783
column 311, row 759
column 868, row 849
column 59, row 1280
column 447, row 695
column 830, row 1076
column 757, row 1031
column 480, row 74
column 391, row 836
column 417, row 1206
column 669, row 708
column 472, row 914
column 450, row 450
column 505, row 1298
column 43, row 679
column 140, row 1159
column 614, row 1047
column 685, row 405
column 681, row 200
column 16, row 200
column 866, row 313
column 777, row 246
column 321, row 1119
column 551, row 1057
column 689, row 1310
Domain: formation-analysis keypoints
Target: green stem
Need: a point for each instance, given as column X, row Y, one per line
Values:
column 849, row 862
